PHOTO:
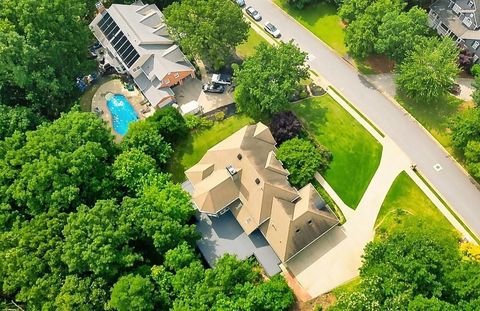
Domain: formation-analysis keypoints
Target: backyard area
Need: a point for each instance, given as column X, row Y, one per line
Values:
column 356, row 154
column 193, row 147
column 322, row 20
column 406, row 205
column 248, row 47
column 434, row 116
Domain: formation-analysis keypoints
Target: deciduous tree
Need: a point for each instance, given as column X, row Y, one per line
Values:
column 133, row 292
column 267, row 79
column 170, row 124
column 303, row 160
column 284, row 126
column 429, row 70
column 208, row 29
column 398, row 32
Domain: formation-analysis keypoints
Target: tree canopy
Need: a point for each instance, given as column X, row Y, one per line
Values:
column 418, row 269
column 42, row 51
column 170, row 124
column 398, row 32
column 284, row 126
column 267, row 79
column 208, row 29
column 429, row 70
column 303, row 159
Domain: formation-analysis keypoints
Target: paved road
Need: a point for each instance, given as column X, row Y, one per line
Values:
column 450, row 181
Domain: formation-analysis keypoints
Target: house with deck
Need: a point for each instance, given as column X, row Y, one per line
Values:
column 460, row 20
column 242, row 177
column 136, row 41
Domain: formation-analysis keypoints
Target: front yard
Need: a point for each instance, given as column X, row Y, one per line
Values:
column 248, row 47
column 195, row 145
column 405, row 206
column 322, row 20
column 356, row 153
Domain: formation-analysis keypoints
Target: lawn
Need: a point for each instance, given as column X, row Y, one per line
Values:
column 356, row 153
column 434, row 116
column 189, row 151
column 322, row 20
column 406, row 205
column 248, row 47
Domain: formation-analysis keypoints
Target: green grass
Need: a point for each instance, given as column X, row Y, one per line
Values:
column 357, row 111
column 324, row 194
column 189, row 151
column 433, row 116
column 248, row 47
column 356, row 153
column 454, row 214
column 322, row 20
column 405, row 206
column 346, row 288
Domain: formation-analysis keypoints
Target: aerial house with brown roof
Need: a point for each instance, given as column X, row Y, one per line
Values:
column 242, row 176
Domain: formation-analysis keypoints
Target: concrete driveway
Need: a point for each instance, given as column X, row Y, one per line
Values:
column 450, row 180
column 192, row 90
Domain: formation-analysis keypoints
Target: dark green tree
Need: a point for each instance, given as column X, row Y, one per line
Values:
column 267, row 79
column 208, row 29
column 58, row 166
column 133, row 292
column 303, row 159
column 132, row 168
column 429, row 70
column 96, row 241
column 20, row 119
column 170, row 124
column 42, row 51
column 465, row 127
column 144, row 136
column 398, row 33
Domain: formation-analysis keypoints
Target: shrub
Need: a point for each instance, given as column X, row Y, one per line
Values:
column 303, row 159
column 475, row 70
column 284, row 126
column 194, row 122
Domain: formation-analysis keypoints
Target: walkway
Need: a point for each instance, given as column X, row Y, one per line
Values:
column 431, row 159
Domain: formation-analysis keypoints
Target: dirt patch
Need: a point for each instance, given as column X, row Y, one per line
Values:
column 380, row 63
column 325, row 301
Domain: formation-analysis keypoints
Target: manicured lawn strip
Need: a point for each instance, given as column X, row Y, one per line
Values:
column 407, row 206
column 191, row 150
column 322, row 20
column 357, row 111
column 449, row 208
column 324, row 194
column 356, row 153
column 433, row 116
column 248, row 47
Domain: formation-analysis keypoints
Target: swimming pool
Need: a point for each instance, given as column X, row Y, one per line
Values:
column 122, row 112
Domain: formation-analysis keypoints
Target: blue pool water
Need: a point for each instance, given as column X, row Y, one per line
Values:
column 122, row 113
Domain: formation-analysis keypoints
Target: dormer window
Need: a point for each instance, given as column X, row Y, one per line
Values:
column 470, row 3
column 309, row 222
column 176, row 75
column 475, row 44
column 298, row 230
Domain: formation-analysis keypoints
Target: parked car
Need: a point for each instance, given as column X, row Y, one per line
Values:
column 240, row 3
column 213, row 88
column 220, row 78
column 271, row 29
column 455, row 89
column 253, row 13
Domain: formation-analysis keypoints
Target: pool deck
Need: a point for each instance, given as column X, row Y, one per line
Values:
column 116, row 87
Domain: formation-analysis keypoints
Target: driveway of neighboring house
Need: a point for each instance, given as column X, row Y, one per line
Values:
column 192, row 90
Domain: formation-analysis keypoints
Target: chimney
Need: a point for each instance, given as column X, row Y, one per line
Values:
column 99, row 6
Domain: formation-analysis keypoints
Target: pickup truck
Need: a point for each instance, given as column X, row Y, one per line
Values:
column 220, row 78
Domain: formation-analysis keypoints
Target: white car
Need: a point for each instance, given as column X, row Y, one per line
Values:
column 253, row 13
column 271, row 29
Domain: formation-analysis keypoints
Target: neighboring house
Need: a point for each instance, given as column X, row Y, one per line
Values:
column 242, row 174
column 136, row 41
column 460, row 20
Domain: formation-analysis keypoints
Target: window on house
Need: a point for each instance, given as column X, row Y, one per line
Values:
column 298, row 230
column 176, row 75
column 310, row 222
column 166, row 81
column 475, row 44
